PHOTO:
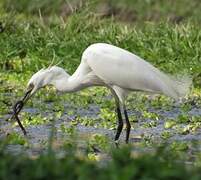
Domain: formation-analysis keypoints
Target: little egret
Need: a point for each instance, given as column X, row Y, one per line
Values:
column 117, row 69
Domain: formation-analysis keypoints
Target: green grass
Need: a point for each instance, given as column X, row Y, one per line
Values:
column 174, row 49
column 121, row 166
column 30, row 43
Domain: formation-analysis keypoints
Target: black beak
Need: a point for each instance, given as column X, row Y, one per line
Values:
column 18, row 107
column 27, row 95
column 19, row 104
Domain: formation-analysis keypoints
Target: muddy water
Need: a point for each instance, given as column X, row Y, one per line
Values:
column 38, row 135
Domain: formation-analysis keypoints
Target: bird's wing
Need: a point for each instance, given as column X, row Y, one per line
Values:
column 119, row 67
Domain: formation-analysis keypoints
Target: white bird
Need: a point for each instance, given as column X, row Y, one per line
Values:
column 118, row 69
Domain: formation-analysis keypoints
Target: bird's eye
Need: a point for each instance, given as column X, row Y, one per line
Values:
column 30, row 86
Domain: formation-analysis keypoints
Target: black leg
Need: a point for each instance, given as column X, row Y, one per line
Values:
column 128, row 126
column 120, row 124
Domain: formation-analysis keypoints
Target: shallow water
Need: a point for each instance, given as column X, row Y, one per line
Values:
column 38, row 135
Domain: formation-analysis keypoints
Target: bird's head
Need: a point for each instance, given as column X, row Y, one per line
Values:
column 42, row 78
column 38, row 80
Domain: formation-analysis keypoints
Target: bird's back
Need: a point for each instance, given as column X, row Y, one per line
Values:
column 120, row 67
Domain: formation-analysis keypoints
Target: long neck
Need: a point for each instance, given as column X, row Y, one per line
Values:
column 67, row 84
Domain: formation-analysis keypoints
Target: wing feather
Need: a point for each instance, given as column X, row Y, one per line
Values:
column 119, row 67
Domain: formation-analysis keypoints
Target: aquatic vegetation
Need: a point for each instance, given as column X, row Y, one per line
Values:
column 150, row 115
column 150, row 124
column 84, row 121
column 179, row 146
column 68, row 130
column 183, row 118
column 190, row 128
column 15, row 138
column 99, row 142
column 169, row 123
column 166, row 135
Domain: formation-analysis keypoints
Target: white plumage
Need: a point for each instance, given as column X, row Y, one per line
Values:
column 118, row 69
